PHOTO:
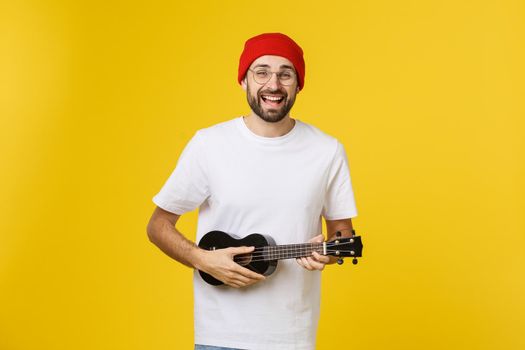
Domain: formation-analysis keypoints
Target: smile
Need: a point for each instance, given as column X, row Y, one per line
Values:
column 272, row 100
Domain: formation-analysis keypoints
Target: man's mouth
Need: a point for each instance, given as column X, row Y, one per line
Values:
column 272, row 100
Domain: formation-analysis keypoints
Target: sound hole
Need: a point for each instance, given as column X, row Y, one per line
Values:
column 243, row 259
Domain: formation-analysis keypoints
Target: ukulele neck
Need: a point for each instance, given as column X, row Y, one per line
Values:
column 291, row 251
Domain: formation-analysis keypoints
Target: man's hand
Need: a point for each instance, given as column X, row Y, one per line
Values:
column 219, row 263
column 316, row 261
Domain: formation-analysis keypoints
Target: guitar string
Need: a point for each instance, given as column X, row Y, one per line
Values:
column 294, row 247
column 285, row 251
column 299, row 251
column 296, row 251
column 265, row 259
column 297, row 245
column 287, row 248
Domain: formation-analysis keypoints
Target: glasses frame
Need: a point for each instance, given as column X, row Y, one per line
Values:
column 277, row 74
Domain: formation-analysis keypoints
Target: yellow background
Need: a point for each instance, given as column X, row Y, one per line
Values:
column 97, row 100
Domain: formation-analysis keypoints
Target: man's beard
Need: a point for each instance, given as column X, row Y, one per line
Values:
column 270, row 115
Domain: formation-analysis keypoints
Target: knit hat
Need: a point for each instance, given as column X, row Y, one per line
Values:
column 272, row 44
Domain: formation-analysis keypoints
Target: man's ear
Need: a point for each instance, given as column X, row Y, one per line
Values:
column 297, row 89
column 243, row 83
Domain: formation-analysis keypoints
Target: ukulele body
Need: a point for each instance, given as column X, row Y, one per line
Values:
column 214, row 240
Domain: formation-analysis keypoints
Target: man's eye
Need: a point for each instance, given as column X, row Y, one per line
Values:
column 285, row 75
column 261, row 73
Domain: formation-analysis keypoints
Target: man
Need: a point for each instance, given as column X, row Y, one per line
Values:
column 265, row 173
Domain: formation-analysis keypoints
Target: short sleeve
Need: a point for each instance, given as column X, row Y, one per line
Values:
column 339, row 199
column 187, row 187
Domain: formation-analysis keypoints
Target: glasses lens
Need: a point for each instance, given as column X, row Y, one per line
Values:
column 286, row 77
column 262, row 76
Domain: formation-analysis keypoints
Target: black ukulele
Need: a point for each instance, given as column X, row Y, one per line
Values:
column 263, row 259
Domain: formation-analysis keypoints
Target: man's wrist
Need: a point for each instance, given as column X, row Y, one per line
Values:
column 196, row 257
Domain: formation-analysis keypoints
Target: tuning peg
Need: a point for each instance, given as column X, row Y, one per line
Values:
column 354, row 261
column 340, row 261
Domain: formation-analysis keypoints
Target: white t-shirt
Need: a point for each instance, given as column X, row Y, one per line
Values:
column 281, row 186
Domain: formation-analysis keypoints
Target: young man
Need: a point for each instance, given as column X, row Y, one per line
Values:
column 265, row 173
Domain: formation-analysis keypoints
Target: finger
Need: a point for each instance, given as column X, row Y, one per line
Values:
column 237, row 284
column 315, row 264
column 300, row 262
column 240, row 279
column 320, row 258
column 306, row 264
column 240, row 250
column 249, row 283
column 248, row 273
column 233, row 281
column 243, row 281
column 233, row 284
column 317, row 239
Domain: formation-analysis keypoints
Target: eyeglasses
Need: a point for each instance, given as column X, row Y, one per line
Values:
column 285, row 77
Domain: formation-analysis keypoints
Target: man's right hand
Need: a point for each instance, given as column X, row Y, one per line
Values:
column 219, row 263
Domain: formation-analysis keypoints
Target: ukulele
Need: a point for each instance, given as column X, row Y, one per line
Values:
column 263, row 259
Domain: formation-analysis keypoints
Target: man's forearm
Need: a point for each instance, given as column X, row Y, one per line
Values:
column 167, row 238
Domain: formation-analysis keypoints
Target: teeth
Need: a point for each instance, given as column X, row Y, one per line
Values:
column 273, row 98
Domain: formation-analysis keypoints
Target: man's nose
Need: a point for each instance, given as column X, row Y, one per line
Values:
column 274, row 82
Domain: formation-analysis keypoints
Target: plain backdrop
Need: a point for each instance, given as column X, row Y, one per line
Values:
column 98, row 99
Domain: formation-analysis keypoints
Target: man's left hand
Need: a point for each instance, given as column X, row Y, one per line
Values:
column 316, row 261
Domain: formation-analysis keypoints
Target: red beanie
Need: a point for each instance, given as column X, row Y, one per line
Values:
column 272, row 44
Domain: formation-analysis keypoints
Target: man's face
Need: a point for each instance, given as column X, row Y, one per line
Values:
column 272, row 100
